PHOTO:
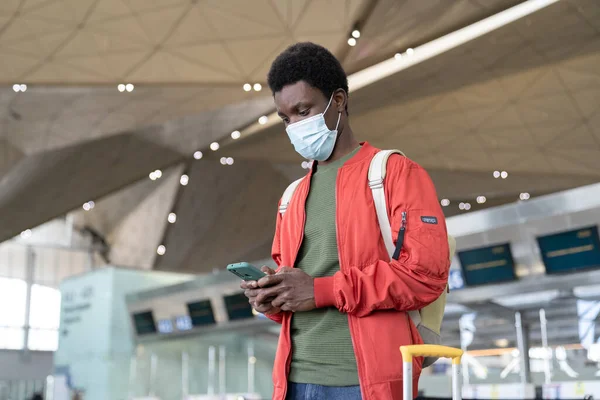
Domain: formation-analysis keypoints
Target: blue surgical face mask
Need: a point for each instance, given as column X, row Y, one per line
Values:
column 311, row 137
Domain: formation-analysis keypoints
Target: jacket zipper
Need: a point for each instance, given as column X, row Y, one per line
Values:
column 288, row 360
column 353, row 330
column 400, row 241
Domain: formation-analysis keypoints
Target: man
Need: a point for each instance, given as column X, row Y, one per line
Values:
column 343, row 306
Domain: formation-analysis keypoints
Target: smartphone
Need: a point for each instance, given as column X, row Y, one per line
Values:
column 247, row 272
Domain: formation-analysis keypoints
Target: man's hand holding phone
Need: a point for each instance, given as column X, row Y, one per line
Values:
column 290, row 289
column 252, row 290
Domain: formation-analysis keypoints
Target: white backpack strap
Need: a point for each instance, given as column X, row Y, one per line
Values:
column 287, row 196
column 377, row 172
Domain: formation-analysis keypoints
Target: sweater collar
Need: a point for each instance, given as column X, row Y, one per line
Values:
column 366, row 152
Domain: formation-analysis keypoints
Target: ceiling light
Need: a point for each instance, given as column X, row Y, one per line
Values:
column 504, row 174
column 129, row 87
column 356, row 33
column 481, row 199
column 92, row 204
column 445, row 202
column 23, row 87
column 398, row 56
column 121, row 87
column 501, row 343
column 252, row 360
column 235, row 135
column 223, row 160
column 198, row 155
column 496, row 174
column 184, row 180
column 247, row 87
column 229, row 161
column 152, row 176
column 17, row 88
column 410, row 52
column 263, row 120
column 158, row 174
column 257, row 87
column 304, row 165
column 214, row 146
column 524, row 196
column 461, row 206
column 86, row 207
column 352, row 41
column 172, row 218
column 467, row 206
column 161, row 250
column 26, row 233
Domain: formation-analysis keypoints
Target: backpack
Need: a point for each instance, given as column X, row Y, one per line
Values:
column 428, row 320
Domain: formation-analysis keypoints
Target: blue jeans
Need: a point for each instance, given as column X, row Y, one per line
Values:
column 307, row 391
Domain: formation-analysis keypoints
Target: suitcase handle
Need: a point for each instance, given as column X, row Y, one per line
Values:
column 429, row 350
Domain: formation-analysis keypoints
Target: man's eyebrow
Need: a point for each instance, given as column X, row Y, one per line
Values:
column 298, row 106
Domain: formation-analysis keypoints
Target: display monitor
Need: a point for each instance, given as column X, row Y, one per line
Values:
column 201, row 313
column 237, row 307
column 144, row 322
column 493, row 264
column 571, row 251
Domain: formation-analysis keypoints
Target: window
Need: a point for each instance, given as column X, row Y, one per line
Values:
column 44, row 318
column 13, row 292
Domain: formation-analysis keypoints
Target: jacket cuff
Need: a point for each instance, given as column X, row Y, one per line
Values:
column 324, row 295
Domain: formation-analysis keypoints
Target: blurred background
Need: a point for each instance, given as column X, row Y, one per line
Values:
column 139, row 155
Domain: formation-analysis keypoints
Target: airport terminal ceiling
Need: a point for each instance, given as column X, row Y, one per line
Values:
column 523, row 99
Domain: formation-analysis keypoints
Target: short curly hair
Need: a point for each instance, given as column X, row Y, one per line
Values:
column 311, row 63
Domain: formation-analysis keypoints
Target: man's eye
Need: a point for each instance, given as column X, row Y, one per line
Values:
column 303, row 113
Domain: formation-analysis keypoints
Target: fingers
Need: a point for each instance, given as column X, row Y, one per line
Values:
column 270, row 280
column 248, row 285
column 281, row 304
column 267, row 270
column 245, row 285
column 265, row 295
column 273, row 310
column 251, row 293
column 284, row 270
column 278, row 302
column 263, row 308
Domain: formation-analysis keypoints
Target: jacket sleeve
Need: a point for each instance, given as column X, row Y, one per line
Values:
column 420, row 274
column 276, row 254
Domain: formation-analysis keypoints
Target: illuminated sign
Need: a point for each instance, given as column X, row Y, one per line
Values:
column 144, row 323
column 165, row 326
column 572, row 250
column 201, row 313
column 455, row 279
column 183, row 323
column 485, row 265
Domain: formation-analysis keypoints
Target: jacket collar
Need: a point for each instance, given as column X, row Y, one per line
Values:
column 366, row 152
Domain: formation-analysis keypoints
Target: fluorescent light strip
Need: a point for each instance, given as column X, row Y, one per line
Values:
column 452, row 40
column 389, row 67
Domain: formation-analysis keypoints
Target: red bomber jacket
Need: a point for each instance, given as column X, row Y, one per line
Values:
column 374, row 291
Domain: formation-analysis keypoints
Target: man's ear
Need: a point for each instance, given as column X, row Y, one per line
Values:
column 340, row 98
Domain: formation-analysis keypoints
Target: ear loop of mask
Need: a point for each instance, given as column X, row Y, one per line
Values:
column 339, row 113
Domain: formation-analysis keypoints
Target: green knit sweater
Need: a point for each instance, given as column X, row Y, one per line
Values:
column 322, row 347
